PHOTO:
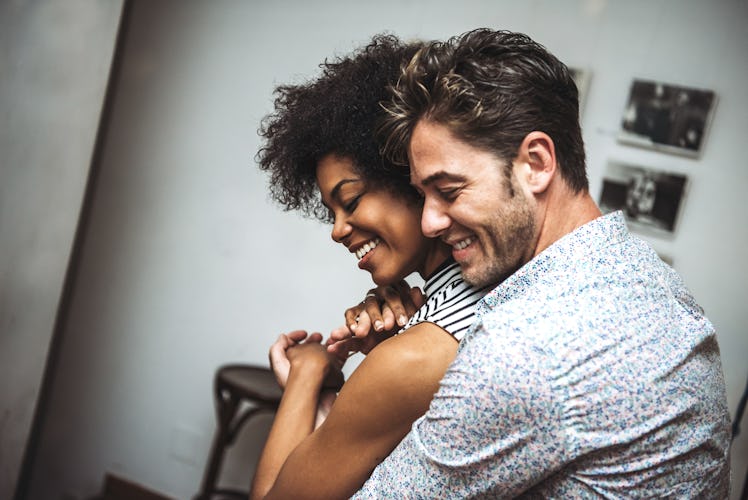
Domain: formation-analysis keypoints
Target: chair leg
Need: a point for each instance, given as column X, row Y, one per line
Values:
column 226, row 407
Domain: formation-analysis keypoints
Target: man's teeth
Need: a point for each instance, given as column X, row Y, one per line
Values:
column 462, row 244
column 368, row 247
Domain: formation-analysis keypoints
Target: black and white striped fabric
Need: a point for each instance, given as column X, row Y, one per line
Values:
column 450, row 302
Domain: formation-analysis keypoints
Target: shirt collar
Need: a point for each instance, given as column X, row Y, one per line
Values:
column 591, row 237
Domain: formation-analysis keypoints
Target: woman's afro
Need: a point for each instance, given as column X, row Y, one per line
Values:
column 337, row 113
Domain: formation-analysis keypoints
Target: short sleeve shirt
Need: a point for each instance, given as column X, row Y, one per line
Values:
column 591, row 372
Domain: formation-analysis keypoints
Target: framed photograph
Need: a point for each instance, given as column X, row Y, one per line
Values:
column 650, row 199
column 667, row 117
column 582, row 79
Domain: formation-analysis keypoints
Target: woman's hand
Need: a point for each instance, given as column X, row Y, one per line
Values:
column 313, row 360
column 383, row 311
column 278, row 358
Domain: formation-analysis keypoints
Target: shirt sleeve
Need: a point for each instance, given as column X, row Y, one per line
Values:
column 492, row 431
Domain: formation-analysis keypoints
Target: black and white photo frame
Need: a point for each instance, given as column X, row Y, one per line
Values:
column 650, row 199
column 666, row 117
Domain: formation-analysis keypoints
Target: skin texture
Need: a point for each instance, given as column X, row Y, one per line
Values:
column 467, row 196
column 469, row 200
column 363, row 215
column 392, row 386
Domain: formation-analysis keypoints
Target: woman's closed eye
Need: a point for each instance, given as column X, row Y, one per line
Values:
column 350, row 205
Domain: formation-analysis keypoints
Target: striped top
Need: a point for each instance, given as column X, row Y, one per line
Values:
column 450, row 302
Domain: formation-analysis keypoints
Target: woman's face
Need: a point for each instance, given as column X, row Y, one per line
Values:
column 381, row 229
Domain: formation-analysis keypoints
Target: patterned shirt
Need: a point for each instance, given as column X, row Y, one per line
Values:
column 591, row 372
column 450, row 303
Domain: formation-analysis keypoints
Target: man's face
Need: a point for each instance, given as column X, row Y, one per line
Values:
column 485, row 215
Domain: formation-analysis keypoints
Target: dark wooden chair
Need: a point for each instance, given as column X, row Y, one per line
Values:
column 234, row 386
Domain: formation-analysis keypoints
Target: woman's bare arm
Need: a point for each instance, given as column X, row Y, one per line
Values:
column 309, row 366
column 389, row 390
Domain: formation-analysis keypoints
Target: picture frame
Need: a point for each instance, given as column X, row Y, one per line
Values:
column 666, row 117
column 650, row 199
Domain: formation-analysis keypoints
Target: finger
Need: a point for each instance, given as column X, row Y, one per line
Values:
column 336, row 348
column 297, row 335
column 316, row 337
column 282, row 340
column 344, row 348
column 398, row 300
column 351, row 316
column 374, row 311
column 340, row 333
column 388, row 317
column 277, row 354
column 363, row 325
column 278, row 345
column 412, row 297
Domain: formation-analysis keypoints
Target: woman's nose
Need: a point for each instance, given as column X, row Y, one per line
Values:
column 340, row 229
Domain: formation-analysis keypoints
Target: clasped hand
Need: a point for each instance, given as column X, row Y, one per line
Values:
column 299, row 350
column 384, row 310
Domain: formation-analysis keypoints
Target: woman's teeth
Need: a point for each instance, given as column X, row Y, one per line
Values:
column 368, row 247
column 462, row 244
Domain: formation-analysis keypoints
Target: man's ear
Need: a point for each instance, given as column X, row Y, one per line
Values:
column 539, row 152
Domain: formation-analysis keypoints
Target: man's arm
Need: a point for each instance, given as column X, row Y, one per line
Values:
column 493, row 429
column 375, row 409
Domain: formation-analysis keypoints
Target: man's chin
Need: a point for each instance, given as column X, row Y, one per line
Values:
column 472, row 276
column 480, row 277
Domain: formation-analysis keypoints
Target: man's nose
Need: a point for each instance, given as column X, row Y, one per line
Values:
column 434, row 219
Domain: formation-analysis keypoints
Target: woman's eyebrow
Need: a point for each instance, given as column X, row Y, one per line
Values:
column 336, row 190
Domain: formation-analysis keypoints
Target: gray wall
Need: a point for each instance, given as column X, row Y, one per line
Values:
column 186, row 265
column 54, row 66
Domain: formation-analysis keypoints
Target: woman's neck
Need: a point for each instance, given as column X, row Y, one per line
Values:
column 436, row 256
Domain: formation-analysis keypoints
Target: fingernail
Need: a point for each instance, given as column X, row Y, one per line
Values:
column 402, row 320
column 378, row 325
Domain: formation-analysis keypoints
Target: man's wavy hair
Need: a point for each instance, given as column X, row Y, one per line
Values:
column 490, row 88
column 337, row 113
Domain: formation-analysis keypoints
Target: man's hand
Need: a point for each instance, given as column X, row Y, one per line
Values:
column 278, row 358
column 383, row 311
column 312, row 359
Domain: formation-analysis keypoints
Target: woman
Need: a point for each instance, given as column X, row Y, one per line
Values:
column 324, row 160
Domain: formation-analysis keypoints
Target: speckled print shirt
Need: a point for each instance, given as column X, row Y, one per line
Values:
column 591, row 372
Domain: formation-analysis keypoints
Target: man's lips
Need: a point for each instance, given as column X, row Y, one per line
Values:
column 463, row 243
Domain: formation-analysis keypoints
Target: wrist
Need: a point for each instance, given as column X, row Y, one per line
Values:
column 310, row 371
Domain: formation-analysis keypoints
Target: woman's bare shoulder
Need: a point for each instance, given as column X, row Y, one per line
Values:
column 419, row 355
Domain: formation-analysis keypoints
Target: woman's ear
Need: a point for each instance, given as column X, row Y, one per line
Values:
column 539, row 152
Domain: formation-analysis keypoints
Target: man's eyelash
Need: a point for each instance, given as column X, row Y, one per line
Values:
column 448, row 193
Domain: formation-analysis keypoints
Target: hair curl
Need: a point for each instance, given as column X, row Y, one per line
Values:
column 336, row 113
column 491, row 89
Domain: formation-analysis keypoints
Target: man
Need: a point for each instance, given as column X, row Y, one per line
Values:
column 591, row 370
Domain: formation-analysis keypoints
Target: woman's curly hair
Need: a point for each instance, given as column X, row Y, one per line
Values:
column 337, row 113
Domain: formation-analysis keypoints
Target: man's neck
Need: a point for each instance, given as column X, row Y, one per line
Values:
column 562, row 213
